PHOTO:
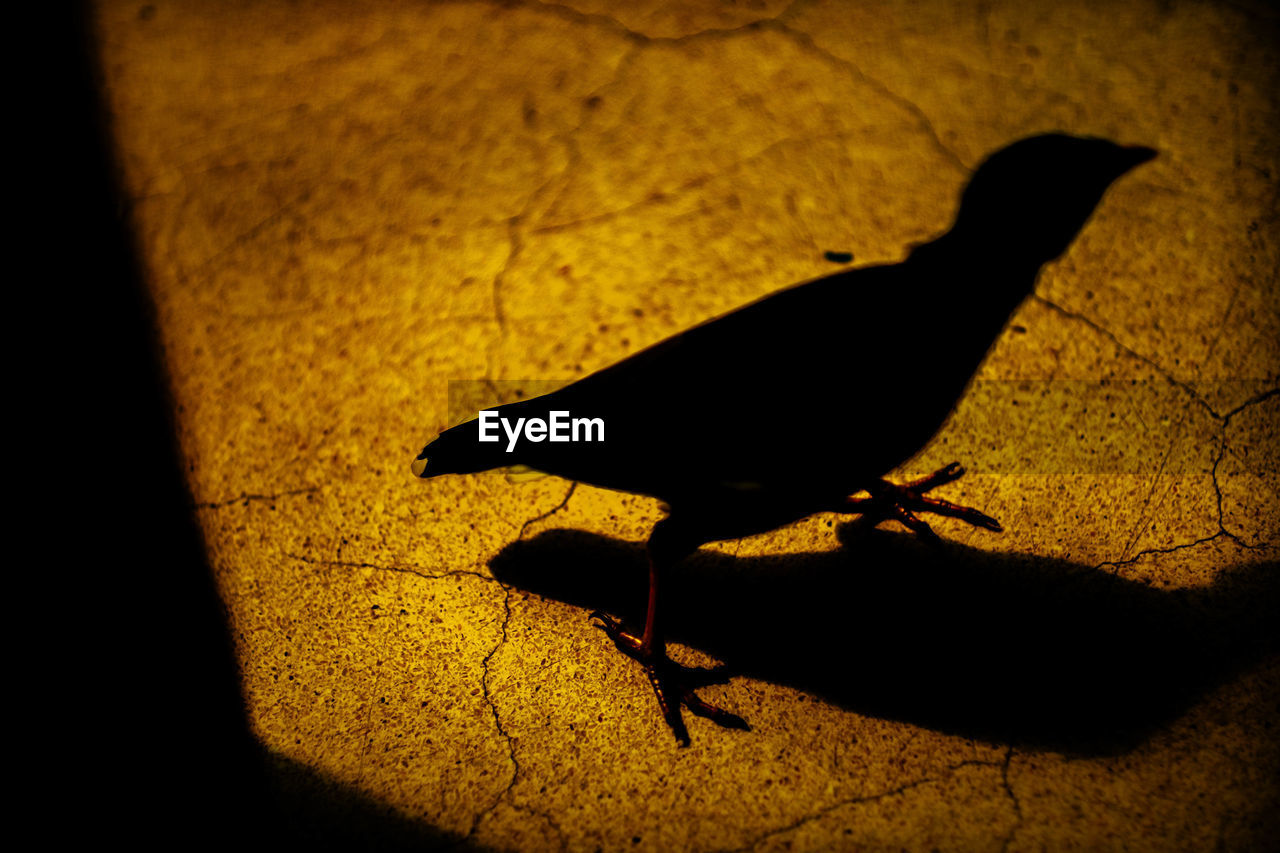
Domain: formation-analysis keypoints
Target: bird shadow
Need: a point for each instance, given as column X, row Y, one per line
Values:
column 1009, row 648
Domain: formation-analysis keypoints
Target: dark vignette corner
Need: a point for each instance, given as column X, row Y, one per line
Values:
column 150, row 727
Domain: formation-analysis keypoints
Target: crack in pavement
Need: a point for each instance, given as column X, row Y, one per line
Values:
column 591, row 19
column 514, row 236
column 1195, row 396
column 568, row 138
column 497, row 719
column 805, row 40
column 399, row 568
column 1217, row 488
column 1127, row 350
column 661, row 198
column 551, row 822
column 1260, row 397
column 1222, row 449
column 1152, row 363
column 573, row 486
column 776, row 23
column 1017, row 804
column 1225, row 419
column 484, row 678
column 1143, row 518
column 484, row 664
column 184, row 274
column 488, row 698
column 246, row 497
column 868, row 798
column 516, row 241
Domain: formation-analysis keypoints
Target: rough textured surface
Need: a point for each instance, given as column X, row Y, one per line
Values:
column 341, row 207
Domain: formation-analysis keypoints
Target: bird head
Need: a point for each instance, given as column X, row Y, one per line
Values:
column 1028, row 201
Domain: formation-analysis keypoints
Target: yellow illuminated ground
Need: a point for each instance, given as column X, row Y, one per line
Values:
column 342, row 206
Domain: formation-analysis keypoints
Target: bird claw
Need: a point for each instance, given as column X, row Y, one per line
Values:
column 673, row 683
column 902, row 502
column 627, row 643
column 606, row 621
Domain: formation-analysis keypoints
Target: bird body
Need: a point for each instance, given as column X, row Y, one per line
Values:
column 780, row 405
column 788, row 406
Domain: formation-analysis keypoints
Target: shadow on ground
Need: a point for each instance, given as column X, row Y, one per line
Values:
column 313, row 811
column 1010, row 648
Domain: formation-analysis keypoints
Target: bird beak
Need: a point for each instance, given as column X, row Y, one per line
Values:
column 418, row 466
column 1136, row 155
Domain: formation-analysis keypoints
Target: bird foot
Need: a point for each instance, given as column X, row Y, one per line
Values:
column 673, row 683
column 902, row 502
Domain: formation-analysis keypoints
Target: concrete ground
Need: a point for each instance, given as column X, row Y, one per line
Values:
column 341, row 207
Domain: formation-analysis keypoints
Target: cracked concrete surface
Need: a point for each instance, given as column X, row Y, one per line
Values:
column 342, row 207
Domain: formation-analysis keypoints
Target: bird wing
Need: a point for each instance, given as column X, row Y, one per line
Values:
column 774, row 395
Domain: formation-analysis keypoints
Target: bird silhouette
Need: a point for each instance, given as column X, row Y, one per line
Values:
column 797, row 402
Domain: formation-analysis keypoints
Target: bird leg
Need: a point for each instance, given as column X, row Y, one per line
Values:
column 902, row 502
column 673, row 683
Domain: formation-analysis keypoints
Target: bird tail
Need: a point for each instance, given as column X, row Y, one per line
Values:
column 459, row 451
